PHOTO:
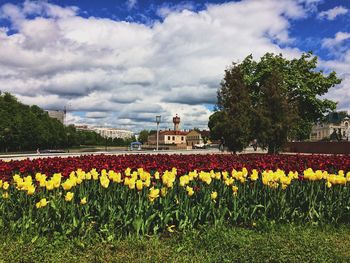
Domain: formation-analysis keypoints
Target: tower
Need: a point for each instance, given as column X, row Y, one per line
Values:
column 176, row 121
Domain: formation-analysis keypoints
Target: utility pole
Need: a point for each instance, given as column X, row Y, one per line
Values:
column 158, row 118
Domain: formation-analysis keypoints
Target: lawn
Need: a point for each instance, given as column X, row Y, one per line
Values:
column 212, row 244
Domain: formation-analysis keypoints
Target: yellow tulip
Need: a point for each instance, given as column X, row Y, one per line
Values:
column 16, row 177
column 127, row 171
column 214, row 195
column 31, row 190
column 139, row 185
column 42, row 203
column 69, row 196
column 235, row 189
column 95, row 176
column 104, row 181
column 83, row 201
column 42, row 183
column 184, row 180
column 5, row 195
column 132, row 183
column 88, row 176
column 49, row 185
column 171, row 228
column 189, row 190
column 67, row 185
column 254, row 176
column 153, row 194
column 147, row 183
column 0, row 183
column 156, row 175
column 329, row 184
column 5, row 185
column 163, row 191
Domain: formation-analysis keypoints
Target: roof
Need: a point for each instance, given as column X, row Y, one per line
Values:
column 173, row 133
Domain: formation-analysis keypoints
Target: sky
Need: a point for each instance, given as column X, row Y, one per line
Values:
column 121, row 63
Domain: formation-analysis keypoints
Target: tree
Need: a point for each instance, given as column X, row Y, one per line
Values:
column 28, row 128
column 217, row 125
column 234, row 102
column 304, row 86
column 295, row 85
column 275, row 117
column 143, row 136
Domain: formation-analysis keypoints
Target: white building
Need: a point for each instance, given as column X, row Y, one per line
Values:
column 107, row 132
column 324, row 130
column 56, row 114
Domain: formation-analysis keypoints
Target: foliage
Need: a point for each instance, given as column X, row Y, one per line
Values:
column 303, row 86
column 234, row 101
column 273, row 116
column 217, row 125
column 25, row 127
column 143, row 137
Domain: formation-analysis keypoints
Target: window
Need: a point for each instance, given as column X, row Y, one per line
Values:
column 168, row 138
column 182, row 138
column 173, row 138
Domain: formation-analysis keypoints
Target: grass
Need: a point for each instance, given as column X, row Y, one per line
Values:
column 213, row 244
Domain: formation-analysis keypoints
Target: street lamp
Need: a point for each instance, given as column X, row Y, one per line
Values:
column 68, row 134
column 158, row 117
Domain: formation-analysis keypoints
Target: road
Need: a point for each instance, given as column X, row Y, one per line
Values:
column 195, row 151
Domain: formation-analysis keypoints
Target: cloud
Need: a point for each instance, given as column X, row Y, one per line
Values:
column 185, row 95
column 340, row 93
column 331, row 14
column 97, row 114
column 337, row 45
column 167, row 8
column 123, row 74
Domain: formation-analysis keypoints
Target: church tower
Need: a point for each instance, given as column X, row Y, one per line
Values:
column 176, row 121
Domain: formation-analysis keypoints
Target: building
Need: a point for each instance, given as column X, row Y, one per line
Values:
column 321, row 131
column 107, row 132
column 83, row 128
column 56, row 114
column 168, row 137
column 181, row 139
column 194, row 138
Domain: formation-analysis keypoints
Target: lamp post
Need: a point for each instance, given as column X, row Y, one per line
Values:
column 68, row 134
column 106, row 143
column 158, row 117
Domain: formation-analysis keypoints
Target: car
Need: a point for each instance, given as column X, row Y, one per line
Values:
column 199, row 146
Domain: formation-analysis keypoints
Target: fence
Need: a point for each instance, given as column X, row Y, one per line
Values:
column 319, row 147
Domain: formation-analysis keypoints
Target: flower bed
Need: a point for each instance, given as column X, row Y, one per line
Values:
column 183, row 163
column 115, row 195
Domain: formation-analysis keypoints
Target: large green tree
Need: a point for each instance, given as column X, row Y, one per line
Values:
column 273, row 117
column 234, row 102
column 298, row 84
column 304, row 85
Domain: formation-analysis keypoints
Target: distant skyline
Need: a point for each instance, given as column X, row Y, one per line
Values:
column 121, row 63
